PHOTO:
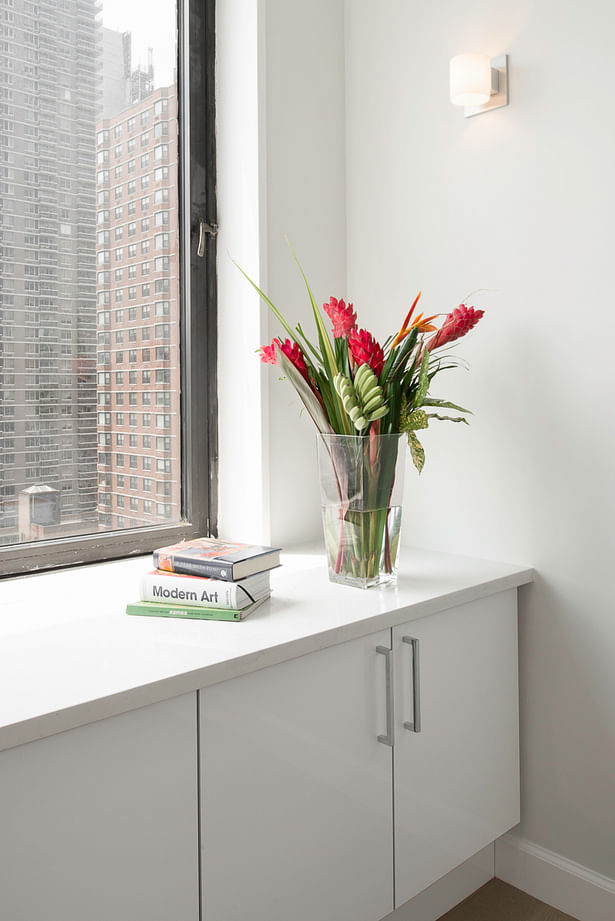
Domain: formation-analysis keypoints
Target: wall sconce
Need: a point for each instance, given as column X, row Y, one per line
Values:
column 479, row 83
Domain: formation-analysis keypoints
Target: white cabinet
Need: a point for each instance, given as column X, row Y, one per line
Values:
column 318, row 801
column 301, row 803
column 457, row 780
column 100, row 822
column 296, row 817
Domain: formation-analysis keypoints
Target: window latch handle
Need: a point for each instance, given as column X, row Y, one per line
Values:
column 205, row 228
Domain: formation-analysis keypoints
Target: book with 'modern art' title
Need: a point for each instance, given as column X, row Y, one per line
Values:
column 177, row 588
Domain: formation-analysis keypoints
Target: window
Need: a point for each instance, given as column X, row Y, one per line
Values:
column 161, row 264
column 71, row 322
column 161, row 107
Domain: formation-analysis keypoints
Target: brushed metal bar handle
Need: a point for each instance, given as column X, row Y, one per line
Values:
column 415, row 725
column 388, row 738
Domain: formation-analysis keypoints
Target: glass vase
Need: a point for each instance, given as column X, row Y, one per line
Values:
column 361, row 485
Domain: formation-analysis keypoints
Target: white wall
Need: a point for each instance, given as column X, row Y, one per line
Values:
column 281, row 168
column 242, row 323
column 521, row 201
column 306, row 204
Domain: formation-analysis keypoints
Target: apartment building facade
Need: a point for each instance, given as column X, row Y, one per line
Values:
column 48, row 98
column 137, row 361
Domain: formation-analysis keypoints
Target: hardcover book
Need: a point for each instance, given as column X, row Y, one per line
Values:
column 178, row 588
column 219, row 559
column 190, row 612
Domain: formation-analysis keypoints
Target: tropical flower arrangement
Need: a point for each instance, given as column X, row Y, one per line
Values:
column 357, row 391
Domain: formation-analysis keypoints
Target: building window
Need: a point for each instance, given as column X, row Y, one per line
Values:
column 69, row 323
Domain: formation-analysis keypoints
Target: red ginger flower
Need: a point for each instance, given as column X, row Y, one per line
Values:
column 459, row 322
column 290, row 349
column 343, row 317
column 365, row 350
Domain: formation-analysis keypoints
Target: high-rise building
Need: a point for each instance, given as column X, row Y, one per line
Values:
column 138, row 314
column 116, row 71
column 48, row 95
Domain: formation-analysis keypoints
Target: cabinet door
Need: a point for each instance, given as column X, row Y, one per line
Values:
column 101, row 822
column 457, row 780
column 296, row 817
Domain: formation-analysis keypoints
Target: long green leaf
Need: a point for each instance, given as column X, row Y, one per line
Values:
column 416, row 451
column 445, row 404
column 404, row 352
column 325, row 344
column 447, row 418
column 313, row 350
column 291, row 332
column 423, row 386
column 322, row 330
column 417, row 419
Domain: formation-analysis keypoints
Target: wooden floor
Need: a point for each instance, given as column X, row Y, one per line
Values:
column 497, row 901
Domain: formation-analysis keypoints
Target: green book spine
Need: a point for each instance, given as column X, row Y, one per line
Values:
column 154, row 609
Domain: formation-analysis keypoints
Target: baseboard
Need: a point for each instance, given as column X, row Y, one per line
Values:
column 562, row 883
column 447, row 892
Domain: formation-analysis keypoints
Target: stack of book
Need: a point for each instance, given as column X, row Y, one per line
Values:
column 208, row 579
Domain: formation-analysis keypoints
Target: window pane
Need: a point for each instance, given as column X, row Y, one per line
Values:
column 88, row 121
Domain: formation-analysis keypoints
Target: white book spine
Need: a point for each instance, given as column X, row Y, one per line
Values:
column 211, row 593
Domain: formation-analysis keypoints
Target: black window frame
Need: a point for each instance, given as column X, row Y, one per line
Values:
column 198, row 325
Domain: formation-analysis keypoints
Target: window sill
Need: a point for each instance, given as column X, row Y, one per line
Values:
column 69, row 655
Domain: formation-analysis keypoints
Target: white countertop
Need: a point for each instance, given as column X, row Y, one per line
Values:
column 69, row 654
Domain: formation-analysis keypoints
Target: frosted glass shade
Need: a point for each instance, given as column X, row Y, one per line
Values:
column 470, row 79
